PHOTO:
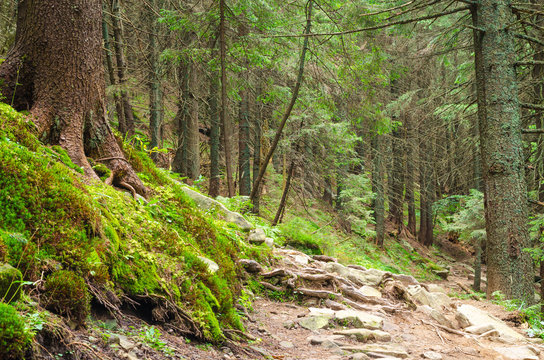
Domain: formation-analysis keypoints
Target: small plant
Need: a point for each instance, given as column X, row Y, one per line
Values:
column 14, row 337
column 66, row 294
column 151, row 336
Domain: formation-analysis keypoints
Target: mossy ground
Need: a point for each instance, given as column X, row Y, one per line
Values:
column 53, row 219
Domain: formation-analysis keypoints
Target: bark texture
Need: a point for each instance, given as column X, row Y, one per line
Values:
column 57, row 60
column 502, row 154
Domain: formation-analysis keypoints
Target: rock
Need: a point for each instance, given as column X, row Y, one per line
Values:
column 370, row 291
column 132, row 356
column 289, row 324
column 329, row 344
column 212, row 265
column 314, row 322
column 405, row 279
column 113, row 339
column 363, row 335
column 434, row 314
column 443, row 274
column 436, row 300
column 328, row 313
column 10, row 283
column 378, row 349
column 334, row 305
column 324, row 258
column 518, row 352
column 359, row 356
column 256, row 236
column 319, row 339
column 286, row 344
column 371, row 277
column 301, row 259
column 436, row 288
column 207, row 203
column 261, row 351
column 388, row 326
column 251, row 266
column 269, row 242
column 479, row 329
column 358, row 319
column 468, row 315
column 125, row 343
column 431, row 355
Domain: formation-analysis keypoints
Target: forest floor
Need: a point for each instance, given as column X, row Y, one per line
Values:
column 387, row 324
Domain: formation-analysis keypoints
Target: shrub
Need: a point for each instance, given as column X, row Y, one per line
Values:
column 66, row 294
column 14, row 338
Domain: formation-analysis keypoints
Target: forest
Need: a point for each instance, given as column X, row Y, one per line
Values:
column 172, row 170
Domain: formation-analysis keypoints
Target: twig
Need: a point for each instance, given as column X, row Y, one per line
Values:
column 437, row 332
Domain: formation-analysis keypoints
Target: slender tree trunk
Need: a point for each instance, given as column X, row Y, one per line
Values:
column 257, row 130
column 155, row 98
column 410, row 174
column 477, row 264
column 397, row 180
column 227, row 133
column 64, row 37
column 192, row 135
column 502, row 156
column 215, row 139
column 126, row 127
column 378, row 178
column 294, row 96
column 111, row 70
column 425, row 235
column 285, row 192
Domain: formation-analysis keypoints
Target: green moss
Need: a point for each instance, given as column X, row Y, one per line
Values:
column 102, row 171
column 14, row 338
column 298, row 234
column 66, row 294
column 10, row 283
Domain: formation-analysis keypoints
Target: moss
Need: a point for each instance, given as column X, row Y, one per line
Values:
column 14, row 338
column 10, row 283
column 102, row 171
column 66, row 294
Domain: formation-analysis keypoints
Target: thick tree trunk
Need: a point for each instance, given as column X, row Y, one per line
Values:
column 57, row 57
column 126, row 125
column 508, row 265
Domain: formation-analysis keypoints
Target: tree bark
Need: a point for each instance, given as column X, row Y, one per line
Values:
column 378, row 177
column 397, row 180
column 410, row 174
column 155, row 96
column 508, row 265
column 215, row 138
column 126, row 125
column 257, row 130
column 64, row 37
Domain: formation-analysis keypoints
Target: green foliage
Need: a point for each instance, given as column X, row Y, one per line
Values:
column 463, row 214
column 529, row 314
column 14, row 338
column 298, row 234
column 10, row 283
column 355, row 198
column 151, row 336
column 66, row 294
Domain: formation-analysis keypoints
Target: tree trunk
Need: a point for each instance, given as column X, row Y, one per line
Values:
column 257, row 130
column 397, row 180
column 508, row 265
column 111, row 70
column 126, row 126
column 155, row 98
column 425, row 235
column 378, row 177
column 64, row 37
column 215, row 138
column 410, row 174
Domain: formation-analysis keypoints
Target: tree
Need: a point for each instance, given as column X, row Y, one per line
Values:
column 55, row 71
column 502, row 152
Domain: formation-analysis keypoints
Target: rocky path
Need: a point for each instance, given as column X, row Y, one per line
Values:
column 388, row 316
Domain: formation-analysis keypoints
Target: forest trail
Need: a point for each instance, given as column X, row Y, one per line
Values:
column 320, row 328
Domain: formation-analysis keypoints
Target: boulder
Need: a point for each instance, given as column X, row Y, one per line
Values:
column 436, row 288
column 320, row 339
column 209, row 204
column 405, row 279
column 363, row 335
column 479, row 329
column 370, row 291
column 10, row 283
column 328, row 313
column 518, row 352
column 379, row 349
column 371, row 277
column 358, row 319
column 212, row 265
column 269, row 242
column 435, row 315
column 468, row 315
column 436, row 300
column 256, row 236
column 314, row 322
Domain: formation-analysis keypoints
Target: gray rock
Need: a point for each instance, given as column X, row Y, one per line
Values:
column 256, row 236
column 358, row 319
column 209, row 204
column 359, row 356
column 334, row 305
column 260, row 350
column 371, row 277
column 518, row 352
column 431, row 355
column 370, row 291
column 479, row 329
column 289, row 324
column 468, row 315
column 405, row 279
column 125, row 343
column 212, row 265
column 286, row 344
column 10, row 283
column 443, row 274
column 436, row 300
column 434, row 314
column 314, row 322
column 363, row 335
column 436, row 288
column 269, row 242
column 328, row 313
column 319, row 339
column 379, row 349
